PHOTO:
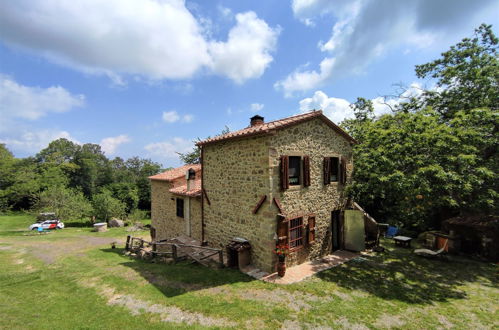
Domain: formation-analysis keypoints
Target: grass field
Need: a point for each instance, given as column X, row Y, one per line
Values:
column 73, row 279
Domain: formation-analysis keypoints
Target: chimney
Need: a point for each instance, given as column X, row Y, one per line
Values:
column 256, row 120
column 190, row 175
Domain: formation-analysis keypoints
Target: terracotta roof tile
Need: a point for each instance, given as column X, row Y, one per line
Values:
column 267, row 128
column 175, row 173
column 195, row 189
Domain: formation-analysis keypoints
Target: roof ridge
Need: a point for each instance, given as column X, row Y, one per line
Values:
column 263, row 128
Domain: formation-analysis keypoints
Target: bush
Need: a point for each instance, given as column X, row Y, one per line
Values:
column 138, row 215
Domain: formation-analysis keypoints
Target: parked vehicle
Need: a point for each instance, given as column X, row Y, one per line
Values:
column 48, row 224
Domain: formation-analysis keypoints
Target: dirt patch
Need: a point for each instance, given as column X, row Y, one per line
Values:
column 49, row 252
column 387, row 321
column 444, row 322
column 345, row 324
column 295, row 301
column 167, row 313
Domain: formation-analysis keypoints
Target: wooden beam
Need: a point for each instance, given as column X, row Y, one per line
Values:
column 259, row 204
column 206, row 195
column 278, row 204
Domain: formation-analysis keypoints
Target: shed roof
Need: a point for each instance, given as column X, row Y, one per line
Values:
column 175, row 173
column 268, row 128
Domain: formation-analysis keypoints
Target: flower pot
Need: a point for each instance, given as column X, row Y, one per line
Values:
column 281, row 266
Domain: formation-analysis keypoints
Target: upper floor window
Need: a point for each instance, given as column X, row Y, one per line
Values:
column 334, row 169
column 180, row 207
column 294, row 170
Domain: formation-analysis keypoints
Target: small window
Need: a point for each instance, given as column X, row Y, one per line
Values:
column 294, row 170
column 334, row 169
column 295, row 233
column 180, row 207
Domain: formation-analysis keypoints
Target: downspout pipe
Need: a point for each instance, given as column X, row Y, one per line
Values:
column 203, row 241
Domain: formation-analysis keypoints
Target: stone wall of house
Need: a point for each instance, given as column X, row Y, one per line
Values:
column 164, row 212
column 196, row 218
column 317, row 140
column 236, row 176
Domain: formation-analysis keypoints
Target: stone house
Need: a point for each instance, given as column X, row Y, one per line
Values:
column 276, row 182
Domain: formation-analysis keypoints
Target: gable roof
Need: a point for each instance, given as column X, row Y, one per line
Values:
column 175, row 173
column 270, row 127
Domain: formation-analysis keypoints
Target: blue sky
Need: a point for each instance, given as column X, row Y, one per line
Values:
column 146, row 77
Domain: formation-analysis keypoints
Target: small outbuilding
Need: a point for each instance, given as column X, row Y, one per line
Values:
column 479, row 234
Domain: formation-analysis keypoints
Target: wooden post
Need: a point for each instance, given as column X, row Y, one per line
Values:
column 127, row 245
column 221, row 258
column 174, row 252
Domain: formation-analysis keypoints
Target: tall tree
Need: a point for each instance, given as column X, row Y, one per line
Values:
column 467, row 75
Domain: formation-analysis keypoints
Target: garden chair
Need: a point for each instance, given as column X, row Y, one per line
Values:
column 391, row 231
column 430, row 253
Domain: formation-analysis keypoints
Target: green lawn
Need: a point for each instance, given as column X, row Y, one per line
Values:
column 86, row 284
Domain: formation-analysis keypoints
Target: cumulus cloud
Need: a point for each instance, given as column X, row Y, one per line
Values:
column 20, row 101
column 110, row 144
column 32, row 141
column 338, row 109
column 167, row 150
column 159, row 39
column 334, row 108
column 255, row 107
column 364, row 30
column 173, row 116
column 246, row 54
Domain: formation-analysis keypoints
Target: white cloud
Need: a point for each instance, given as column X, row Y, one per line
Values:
column 246, row 54
column 159, row 39
column 338, row 109
column 255, row 107
column 173, row 116
column 167, row 150
column 170, row 116
column 187, row 118
column 334, row 108
column 19, row 101
column 110, row 144
column 32, row 141
column 359, row 36
column 306, row 80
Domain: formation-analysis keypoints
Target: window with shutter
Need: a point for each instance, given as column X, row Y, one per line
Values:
column 334, row 169
column 282, row 231
column 306, row 171
column 326, row 173
column 343, row 171
column 284, row 172
column 294, row 170
column 311, row 229
column 296, row 233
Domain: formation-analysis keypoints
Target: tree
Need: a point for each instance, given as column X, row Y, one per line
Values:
column 106, row 206
column 415, row 170
column 126, row 192
column 68, row 204
column 467, row 75
column 194, row 156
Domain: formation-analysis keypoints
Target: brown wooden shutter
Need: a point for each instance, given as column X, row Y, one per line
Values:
column 326, row 170
column 282, row 230
column 284, row 172
column 306, row 171
column 311, row 229
column 343, row 170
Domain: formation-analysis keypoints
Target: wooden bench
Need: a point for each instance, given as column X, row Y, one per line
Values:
column 403, row 241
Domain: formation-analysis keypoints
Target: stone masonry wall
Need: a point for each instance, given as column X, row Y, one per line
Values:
column 236, row 176
column 317, row 140
column 164, row 212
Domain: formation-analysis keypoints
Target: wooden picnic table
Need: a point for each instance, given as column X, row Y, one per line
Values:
column 403, row 241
